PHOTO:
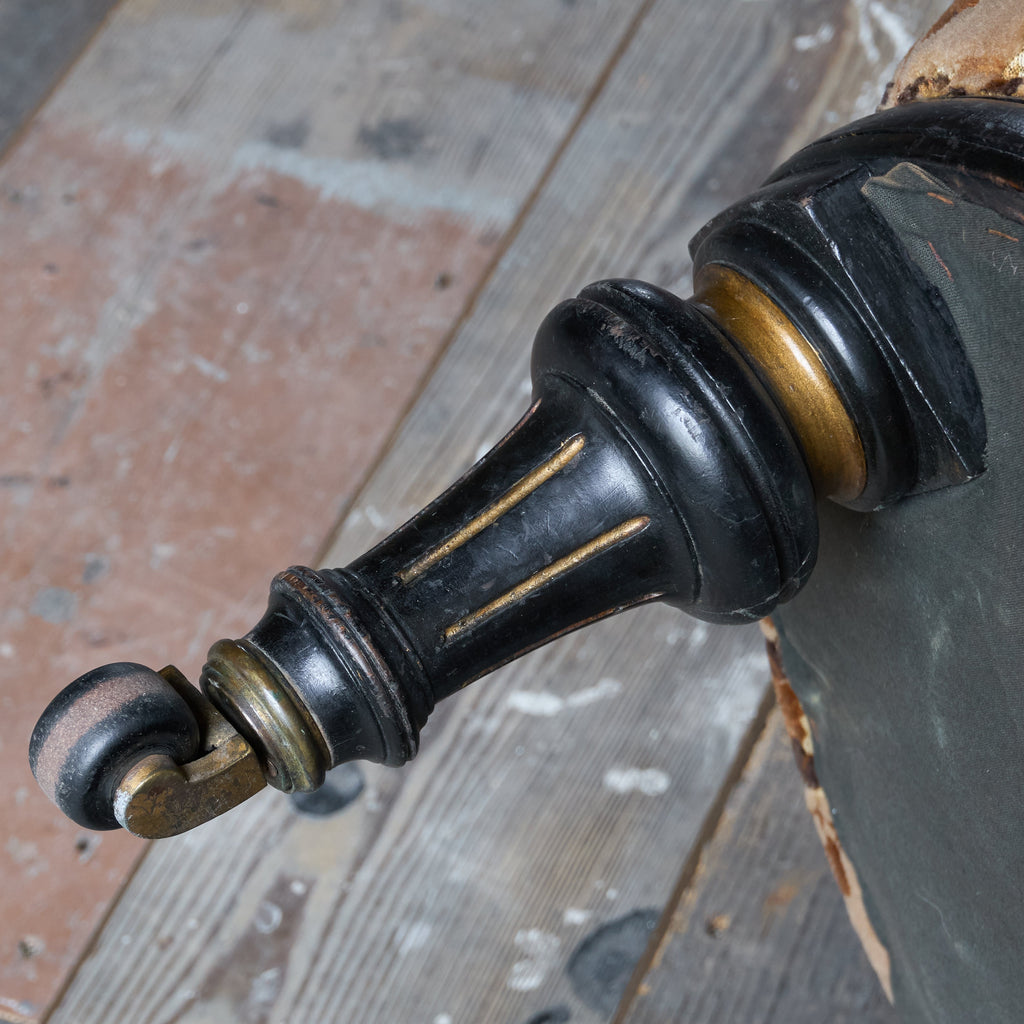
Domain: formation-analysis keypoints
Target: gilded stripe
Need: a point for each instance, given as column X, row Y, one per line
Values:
column 515, row 494
column 549, row 574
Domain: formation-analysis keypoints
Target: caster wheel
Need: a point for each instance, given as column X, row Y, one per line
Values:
column 100, row 726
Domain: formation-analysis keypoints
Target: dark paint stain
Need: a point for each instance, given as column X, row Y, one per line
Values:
column 344, row 784
column 48, row 385
column 55, row 604
column 553, row 1015
column 288, row 134
column 392, row 138
column 96, row 567
column 910, row 92
column 601, row 965
column 1004, row 87
column 265, row 199
column 476, row 157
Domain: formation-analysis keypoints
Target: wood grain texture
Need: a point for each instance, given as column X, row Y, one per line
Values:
column 231, row 244
column 762, row 935
column 543, row 826
column 38, row 42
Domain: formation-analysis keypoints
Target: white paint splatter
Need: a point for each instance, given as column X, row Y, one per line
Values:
column 374, row 518
column 55, row 604
column 546, row 705
column 211, row 370
column 901, row 37
column 267, row 918
column 865, row 33
column 444, row 1018
column 171, row 451
column 160, row 553
column 370, row 183
column 603, row 690
column 26, row 855
column 121, row 798
column 575, row 916
column 824, row 35
column 541, row 949
column 265, row 987
column 872, row 15
column 535, row 702
column 866, row 101
column 649, row 781
column 412, row 935
column 255, row 355
column 694, row 633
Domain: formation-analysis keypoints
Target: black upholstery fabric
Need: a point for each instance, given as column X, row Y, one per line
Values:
column 907, row 651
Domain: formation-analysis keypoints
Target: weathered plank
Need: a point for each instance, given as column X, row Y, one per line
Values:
column 761, row 936
column 230, row 246
column 38, row 42
column 467, row 882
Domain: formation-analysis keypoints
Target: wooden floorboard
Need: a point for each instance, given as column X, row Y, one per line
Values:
column 232, row 243
column 761, row 936
column 516, row 870
column 39, row 41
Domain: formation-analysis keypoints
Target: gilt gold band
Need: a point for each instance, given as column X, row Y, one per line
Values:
column 795, row 374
